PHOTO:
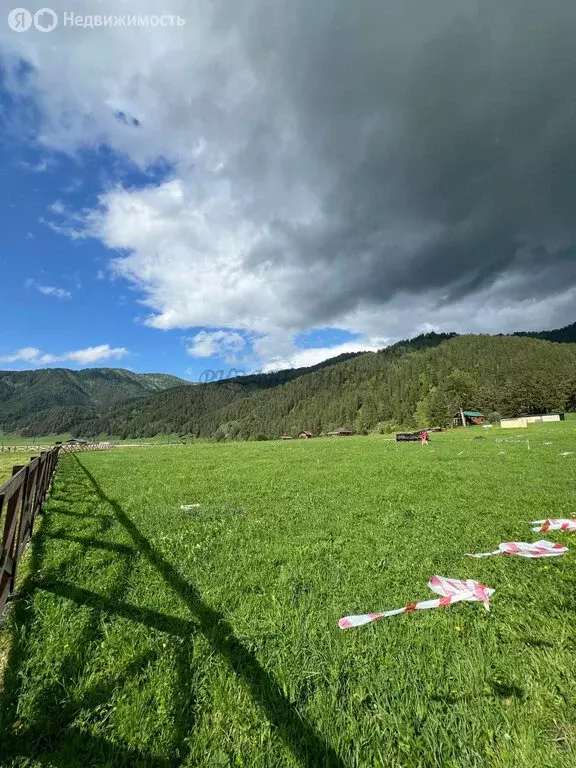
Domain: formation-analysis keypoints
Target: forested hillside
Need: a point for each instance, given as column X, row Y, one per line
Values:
column 419, row 383
column 51, row 404
column 385, row 391
column 58, row 400
column 29, row 397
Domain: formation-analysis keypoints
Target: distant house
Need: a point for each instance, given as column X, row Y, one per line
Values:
column 286, row 437
column 305, row 435
column 75, row 441
column 468, row 418
column 342, row 432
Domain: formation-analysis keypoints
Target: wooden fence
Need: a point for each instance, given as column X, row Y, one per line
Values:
column 76, row 447
column 64, row 447
column 25, row 448
column 21, row 501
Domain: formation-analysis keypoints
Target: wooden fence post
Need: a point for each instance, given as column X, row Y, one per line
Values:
column 10, row 541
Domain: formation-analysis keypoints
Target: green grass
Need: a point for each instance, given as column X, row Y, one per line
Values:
column 146, row 635
column 10, row 460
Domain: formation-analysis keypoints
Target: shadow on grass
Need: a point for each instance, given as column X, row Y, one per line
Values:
column 506, row 690
column 79, row 748
column 535, row 642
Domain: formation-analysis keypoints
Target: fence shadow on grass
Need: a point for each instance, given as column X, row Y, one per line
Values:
column 300, row 737
column 52, row 738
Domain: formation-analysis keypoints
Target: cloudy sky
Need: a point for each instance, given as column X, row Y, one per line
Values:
column 273, row 182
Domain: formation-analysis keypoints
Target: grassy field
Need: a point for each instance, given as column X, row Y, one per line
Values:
column 147, row 635
column 49, row 440
column 9, row 460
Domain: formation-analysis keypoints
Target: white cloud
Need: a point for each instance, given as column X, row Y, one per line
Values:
column 226, row 345
column 49, row 290
column 40, row 167
column 489, row 311
column 96, row 354
column 188, row 250
column 57, row 207
column 82, row 93
column 70, row 223
column 186, row 244
column 35, row 357
column 303, row 358
column 25, row 354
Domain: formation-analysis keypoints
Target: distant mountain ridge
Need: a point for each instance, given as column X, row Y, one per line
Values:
column 414, row 382
column 24, row 394
column 566, row 335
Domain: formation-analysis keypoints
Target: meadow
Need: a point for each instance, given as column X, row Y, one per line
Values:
column 144, row 634
column 9, row 460
column 7, row 441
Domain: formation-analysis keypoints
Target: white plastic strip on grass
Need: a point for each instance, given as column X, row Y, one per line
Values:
column 452, row 591
column 523, row 549
column 553, row 524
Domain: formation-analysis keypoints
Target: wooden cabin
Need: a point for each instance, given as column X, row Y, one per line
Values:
column 305, row 435
column 468, row 418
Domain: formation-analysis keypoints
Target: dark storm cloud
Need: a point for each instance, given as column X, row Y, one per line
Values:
column 334, row 161
column 438, row 137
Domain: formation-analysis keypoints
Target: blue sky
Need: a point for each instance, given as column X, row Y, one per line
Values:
column 222, row 194
column 87, row 307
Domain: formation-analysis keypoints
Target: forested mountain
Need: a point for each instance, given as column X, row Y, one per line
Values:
column 29, row 395
column 419, row 382
column 412, row 384
column 58, row 400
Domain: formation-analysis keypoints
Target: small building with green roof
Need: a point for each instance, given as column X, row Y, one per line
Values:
column 468, row 418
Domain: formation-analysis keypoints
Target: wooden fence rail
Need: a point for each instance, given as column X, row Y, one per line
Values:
column 25, row 448
column 76, row 447
column 64, row 447
column 21, row 501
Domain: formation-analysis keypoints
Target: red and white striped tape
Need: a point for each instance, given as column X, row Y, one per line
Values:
column 452, row 591
column 552, row 524
column 523, row 549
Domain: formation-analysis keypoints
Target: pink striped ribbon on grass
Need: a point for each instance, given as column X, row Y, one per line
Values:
column 452, row 591
column 552, row 524
column 523, row 549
